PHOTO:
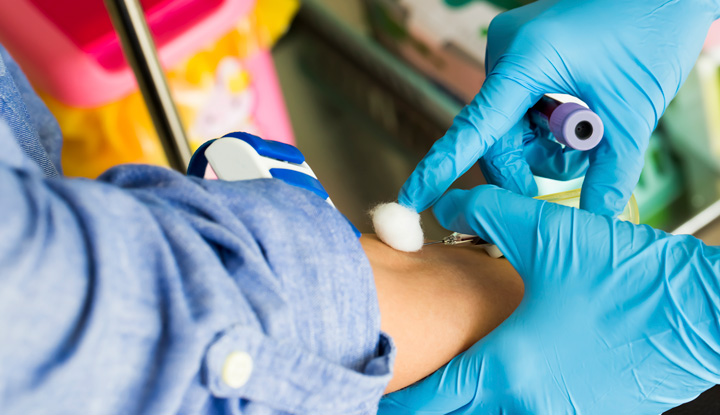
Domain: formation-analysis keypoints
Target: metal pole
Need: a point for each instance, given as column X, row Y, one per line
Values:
column 699, row 221
column 128, row 19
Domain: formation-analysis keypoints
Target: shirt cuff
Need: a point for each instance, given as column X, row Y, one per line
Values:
column 243, row 363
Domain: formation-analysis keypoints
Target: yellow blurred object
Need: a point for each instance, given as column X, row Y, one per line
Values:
column 211, row 79
column 272, row 19
column 572, row 198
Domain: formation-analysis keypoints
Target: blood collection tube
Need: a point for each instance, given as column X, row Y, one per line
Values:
column 570, row 123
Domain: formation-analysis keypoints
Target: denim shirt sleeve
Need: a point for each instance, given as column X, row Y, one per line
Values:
column 34, row 128
column 127, row 295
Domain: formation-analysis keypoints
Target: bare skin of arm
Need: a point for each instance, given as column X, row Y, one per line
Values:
column 438, row 302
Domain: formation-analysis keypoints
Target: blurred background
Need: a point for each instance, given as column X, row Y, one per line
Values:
column 362, row 87
column 391, row 74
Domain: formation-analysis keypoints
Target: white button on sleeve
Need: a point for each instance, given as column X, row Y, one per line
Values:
column 237, row 369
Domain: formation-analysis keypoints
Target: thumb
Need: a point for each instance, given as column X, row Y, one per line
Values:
column 504, row 163
column 615, row 164
column 498, row 106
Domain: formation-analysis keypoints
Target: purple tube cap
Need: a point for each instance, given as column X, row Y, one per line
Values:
column 576, row 126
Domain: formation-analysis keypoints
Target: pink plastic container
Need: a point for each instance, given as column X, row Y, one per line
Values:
column 70, row 50
column 219, row 70
column 713, row 38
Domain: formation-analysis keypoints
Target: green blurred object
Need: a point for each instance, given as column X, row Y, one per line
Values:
column 692, row 124
column 660, row 185
column 505, row 4
column 392, row 27
column 444, row 39
column 457, row 3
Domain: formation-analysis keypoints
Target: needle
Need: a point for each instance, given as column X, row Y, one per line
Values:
column 434, row 242
column 457, row 239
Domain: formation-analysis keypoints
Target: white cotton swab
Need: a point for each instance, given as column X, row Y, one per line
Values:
column 398, row 226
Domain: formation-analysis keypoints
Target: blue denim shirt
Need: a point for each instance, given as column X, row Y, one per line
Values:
column 127, row 294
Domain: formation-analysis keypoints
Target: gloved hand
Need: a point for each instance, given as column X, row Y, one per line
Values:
column 625, row 59
column 508, row 162
column 616, row 318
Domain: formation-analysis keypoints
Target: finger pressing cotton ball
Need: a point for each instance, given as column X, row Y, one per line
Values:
column 398, row 226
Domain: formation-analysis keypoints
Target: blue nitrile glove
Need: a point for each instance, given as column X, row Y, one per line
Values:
column 625, row 59
column 511, row 162
column 616, row 319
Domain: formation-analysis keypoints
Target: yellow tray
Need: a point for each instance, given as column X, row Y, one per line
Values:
column 572, row 198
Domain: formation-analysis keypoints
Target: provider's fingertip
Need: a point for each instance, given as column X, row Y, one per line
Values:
column 500, row 104
column 407, row 196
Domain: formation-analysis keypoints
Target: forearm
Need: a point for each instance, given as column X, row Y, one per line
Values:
column 438, row 302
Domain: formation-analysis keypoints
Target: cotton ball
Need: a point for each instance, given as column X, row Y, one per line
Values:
column 398, row 226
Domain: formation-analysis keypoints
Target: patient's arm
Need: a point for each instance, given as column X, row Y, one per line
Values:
column 438, row 302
